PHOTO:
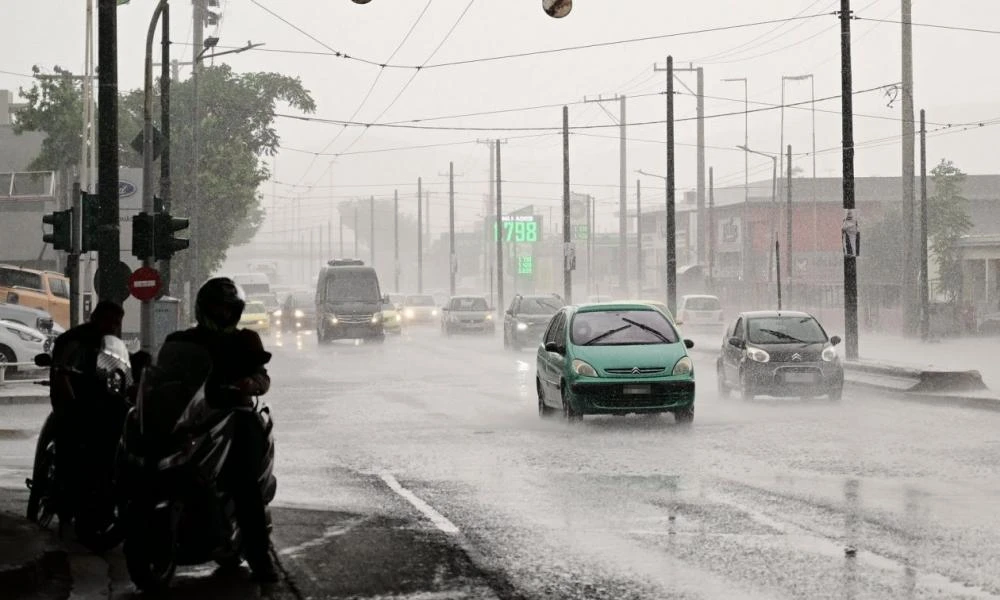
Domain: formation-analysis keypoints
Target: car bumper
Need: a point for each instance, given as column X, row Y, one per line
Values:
column 472, row 326
column 639, row 395
column 794, row 379
column 350, row 331
column 391, row 324
column 258, row 327
column 533, row 334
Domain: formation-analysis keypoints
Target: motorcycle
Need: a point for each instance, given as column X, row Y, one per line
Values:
column 173, row 449
column 85, row 496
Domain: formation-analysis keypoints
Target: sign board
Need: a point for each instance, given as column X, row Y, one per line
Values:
column 120, row 289
column 525, row 265
column 145, row 284
column 519, row 229
column 850, row 235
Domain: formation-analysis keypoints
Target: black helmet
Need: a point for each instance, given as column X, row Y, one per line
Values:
column 220, row 304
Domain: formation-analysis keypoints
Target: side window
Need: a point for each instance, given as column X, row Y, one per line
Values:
column 738, row 330
column 560, row 327
column 59, row 287
column 514, row 304
column 550, row 333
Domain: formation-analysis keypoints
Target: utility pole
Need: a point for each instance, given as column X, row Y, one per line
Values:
column 638, row 237
column 371, row 232
column 452, row 259
column 499, row 240
column 590, row 244
column 711, row 229
column 569, row 253
column 340, row 218
column 671, row 223
column 907, row 123
column 847, row 109
column 777, row 267
column 198, row 28
column 744, row 228
column 420, row 235
column 788, row 221
column 395, row 237
column 356, row 233
column 107, row 122
column 329, row 239
column 699, row 94
column 488, row 256
column 622, row 192
column 925, row 292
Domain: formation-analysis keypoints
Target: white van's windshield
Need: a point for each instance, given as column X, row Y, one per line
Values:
column 353, row 286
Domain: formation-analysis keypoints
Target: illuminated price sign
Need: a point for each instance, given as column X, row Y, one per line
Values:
column 519, row 229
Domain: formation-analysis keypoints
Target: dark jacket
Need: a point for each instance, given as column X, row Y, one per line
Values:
column 235, row 357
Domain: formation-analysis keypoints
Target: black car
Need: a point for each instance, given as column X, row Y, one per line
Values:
column 779, row 353
column 527, row 318
column 298, row 313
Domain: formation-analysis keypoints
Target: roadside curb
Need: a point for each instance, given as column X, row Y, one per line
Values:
column 980, row 401
column 10, row 400
column 41, row 562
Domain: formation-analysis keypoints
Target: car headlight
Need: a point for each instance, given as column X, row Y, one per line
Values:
column 829, row 354
column 399, row 318
column 434, row 313
column 489, row 317
column 333, row 320
column 522, row 326
column 683, row 367
column 277, row 313
column 757, row 355
column 583, row 368
column 299, row 314
column 376, row 317
column 409, row 313
column 26, row 336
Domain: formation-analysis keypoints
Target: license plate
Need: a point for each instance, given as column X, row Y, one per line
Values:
column 635, row 390
column 800, row 377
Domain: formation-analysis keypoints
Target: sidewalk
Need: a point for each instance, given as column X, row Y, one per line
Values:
column 964, row 354
column 31, row 558
column 14, row 392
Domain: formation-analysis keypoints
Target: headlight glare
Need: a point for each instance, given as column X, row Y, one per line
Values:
column 299, row 314
column 757, row 355
column 277, row 313
column 489, row 317
column 376, row 317
column 522, row 326
column 333, row 320
column 583, row 368
column 683, row 367
column 829, row 354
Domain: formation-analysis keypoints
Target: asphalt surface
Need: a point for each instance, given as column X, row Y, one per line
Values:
column 420, row 469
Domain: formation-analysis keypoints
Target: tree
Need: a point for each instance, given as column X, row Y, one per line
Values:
column 947, row 221
column 237, row 113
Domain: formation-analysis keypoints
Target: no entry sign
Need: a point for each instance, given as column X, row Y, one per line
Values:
column 145, row 283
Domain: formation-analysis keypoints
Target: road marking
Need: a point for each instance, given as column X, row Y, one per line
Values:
column 439, row 520
column 330, row 532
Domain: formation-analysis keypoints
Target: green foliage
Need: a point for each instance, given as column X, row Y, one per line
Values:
column 947, row 221
column 236, row 115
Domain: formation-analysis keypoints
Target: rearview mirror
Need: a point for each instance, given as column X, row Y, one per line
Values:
column 737, row 342
column 835, row 340
column 689, row 344
column 553, row 347
column 43, row 360
column 557, row 8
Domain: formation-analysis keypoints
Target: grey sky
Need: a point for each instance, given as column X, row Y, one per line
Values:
column 949, row 83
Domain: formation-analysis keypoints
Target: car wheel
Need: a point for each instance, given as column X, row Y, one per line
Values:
column 684, row 416
column 7, row 356
column 569, row 413
column 544, row 411
column 746, row 391
column 836, row 395
column 721, row 379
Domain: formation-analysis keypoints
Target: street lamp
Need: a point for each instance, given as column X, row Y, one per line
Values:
column 812, row 81
column 774, row 188
column 746, row 173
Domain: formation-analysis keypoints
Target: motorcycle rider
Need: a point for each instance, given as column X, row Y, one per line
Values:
column 77, row 397
column 238, row 374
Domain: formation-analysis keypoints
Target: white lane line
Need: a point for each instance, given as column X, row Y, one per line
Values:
column 330, row 532
column 439, row 520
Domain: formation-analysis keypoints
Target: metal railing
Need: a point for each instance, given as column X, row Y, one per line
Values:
column 6, row 365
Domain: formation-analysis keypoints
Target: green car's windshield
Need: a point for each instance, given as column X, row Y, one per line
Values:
column 622, row 327
column 786, row 330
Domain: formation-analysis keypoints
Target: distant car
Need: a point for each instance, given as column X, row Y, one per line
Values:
column 256, row 317
column 298, row 313
column 527, row 318
column 270, row 300
column 615, row 358
column 700, row 311
column 21, row 344
column 468, row 314
column 660, row 306
column 990, row 324
column 420, row 308
column 28, row 316
column 392, row 317
column 779, row 353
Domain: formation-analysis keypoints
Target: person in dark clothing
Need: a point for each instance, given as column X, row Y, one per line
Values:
column 238, row 374
column 83, row 418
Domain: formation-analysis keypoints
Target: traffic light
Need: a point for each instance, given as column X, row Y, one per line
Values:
column 164, row 242
column 142, row 236
column 61, row 237
column 89, row 238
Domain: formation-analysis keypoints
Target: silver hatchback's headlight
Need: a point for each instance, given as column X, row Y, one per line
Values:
column 829, row 354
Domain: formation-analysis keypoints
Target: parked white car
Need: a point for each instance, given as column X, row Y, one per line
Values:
column 697, row 310
column 20, row 343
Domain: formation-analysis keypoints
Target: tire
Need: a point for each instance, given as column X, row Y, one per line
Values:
column 569, row 414
column 7, row 356
column 721, row 381
column 544, row 411
column 41, row 498
column 836, row 395
column 685, row 416
column 147, row 573
column 746, row 391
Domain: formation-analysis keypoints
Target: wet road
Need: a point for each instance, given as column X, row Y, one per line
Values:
column 421, row 467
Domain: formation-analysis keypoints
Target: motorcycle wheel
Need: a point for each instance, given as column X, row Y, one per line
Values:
column 42, row 485
column 150, row 555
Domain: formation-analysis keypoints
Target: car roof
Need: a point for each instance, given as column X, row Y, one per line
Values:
column 23, row 308
column 611, row 306
column 774, row 313
column 685, row 296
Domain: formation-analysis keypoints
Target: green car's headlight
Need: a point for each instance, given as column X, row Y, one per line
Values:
column 583, row 368
column 683, row 367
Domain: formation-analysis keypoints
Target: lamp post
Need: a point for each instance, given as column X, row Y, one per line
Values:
column 774, row 187
column 812, row 85
column 746, row 175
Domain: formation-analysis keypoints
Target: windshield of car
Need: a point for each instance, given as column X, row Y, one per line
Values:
column 255, row 308
column 270, row 301
column 785, row 330
column 19, row 278
column 622, row 327
column 352, row 287
column 468, row 304
column 420, row 301
column 540, row 306
column 702, row 303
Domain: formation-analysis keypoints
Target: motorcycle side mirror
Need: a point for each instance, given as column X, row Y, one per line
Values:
column 43, row 360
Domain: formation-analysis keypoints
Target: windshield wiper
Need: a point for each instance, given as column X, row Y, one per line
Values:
column 606, row 334
column 665, row 339
column 783, row 335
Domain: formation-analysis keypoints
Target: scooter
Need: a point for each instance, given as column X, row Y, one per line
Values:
column 173, row 449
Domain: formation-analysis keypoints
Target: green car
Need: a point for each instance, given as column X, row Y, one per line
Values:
column 614, row 359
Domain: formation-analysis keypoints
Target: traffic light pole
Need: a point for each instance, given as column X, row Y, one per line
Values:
column 165, row 190
column 73, row 261
column 107, row 122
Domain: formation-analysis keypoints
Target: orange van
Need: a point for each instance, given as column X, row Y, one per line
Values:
column 46, row 290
